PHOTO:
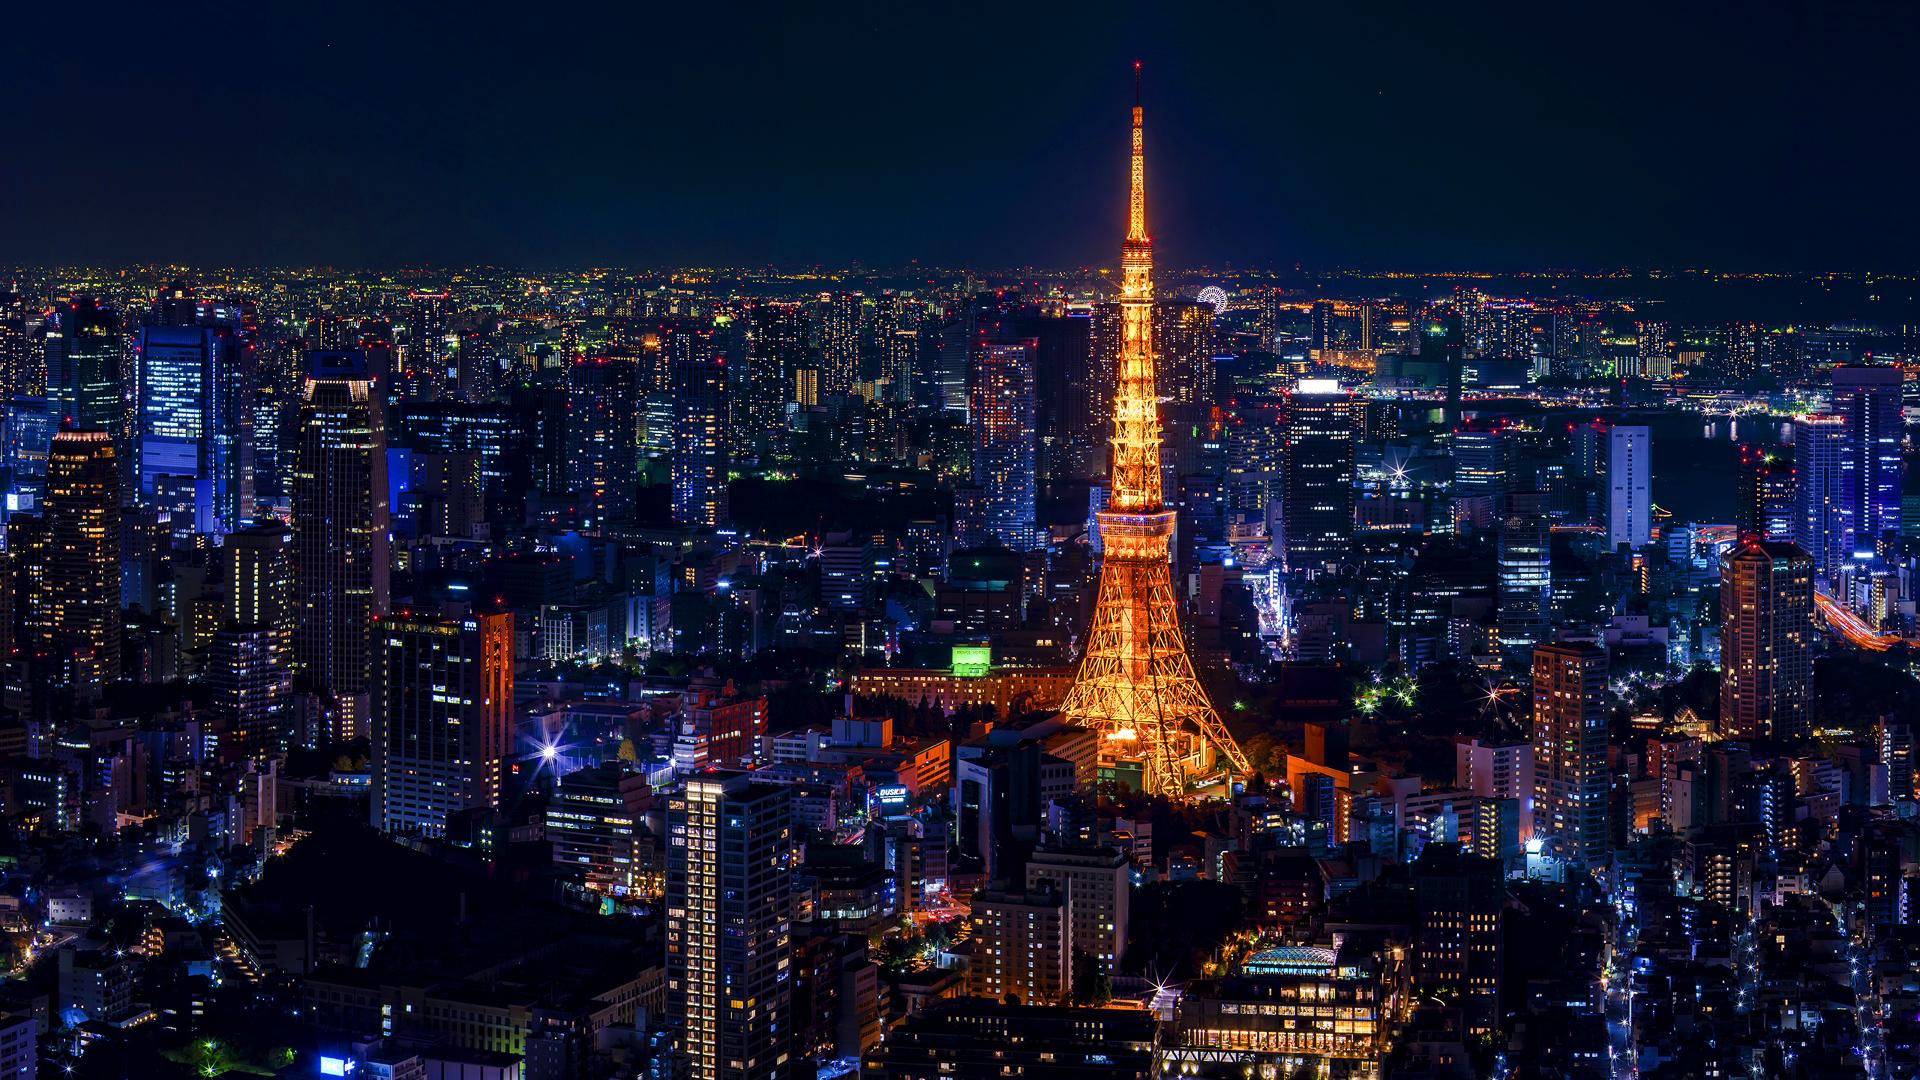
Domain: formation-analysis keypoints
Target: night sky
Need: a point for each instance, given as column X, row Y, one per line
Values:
column 1437, row 136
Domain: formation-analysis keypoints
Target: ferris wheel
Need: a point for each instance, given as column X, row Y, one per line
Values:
column 1215, row 297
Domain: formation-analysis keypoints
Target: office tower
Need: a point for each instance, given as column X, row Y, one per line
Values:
column 1764, row 492
column 30, row 426
column 1766, row 640
column 193, row 424
column 1868, row 399
column 442, row 719
column 83, row 357
column 424, row 372
column 728, row 925
column 82, row 560
column 594, row 823
column 699, row 464
column 1000, row 410
column 1457, row 935
column 1480, row 462
column 1826, row 485
column 1629, row 490
column 1570, row 751
column 1322, row 423
column 600, row 439
column 340, row 539
column 250, row 660
column 1183, row 341
column 1136, row 687
column 1525, row 574
column 1024, row 945
column 1097, row 883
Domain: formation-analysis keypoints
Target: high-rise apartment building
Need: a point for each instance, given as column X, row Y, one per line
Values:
column 1097, row 882
column 1183, row 338
column 1570, row 751
column 729, row 926
column 1767, row 637
column 251, row 661
column 1000, row 410
column 81, row 613
column 1023, row 945
column 700, row 461
column 600, row 438
column 425, row 373
column 341, row 564
column 442, row 718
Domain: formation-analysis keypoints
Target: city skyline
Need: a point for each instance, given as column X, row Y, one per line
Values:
column 1121, row 672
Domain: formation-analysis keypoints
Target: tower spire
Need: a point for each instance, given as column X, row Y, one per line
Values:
column 1137, row 204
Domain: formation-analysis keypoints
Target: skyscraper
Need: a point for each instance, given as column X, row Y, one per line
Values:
column 425, row 374
column 83, row 355
column 340, row 537
column 728, row 925
column 1764, row 492
column 193, row 423
column 1000, row 408
column 1136, row 686
column 1629, row 487
column 1183, row 339
column 1322, row 424
column 600, row 438
column 699, row 464
column 1868, row 399
column 82, row 559
column 251, row 661
column 1570, row 751
column 1526, row 574
column 1826, row 485
column 443, row 718
column 841, row 326
column 1480, row 458
column 1766, row 640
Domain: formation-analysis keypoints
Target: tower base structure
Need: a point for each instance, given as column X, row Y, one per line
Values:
column 1136, row 687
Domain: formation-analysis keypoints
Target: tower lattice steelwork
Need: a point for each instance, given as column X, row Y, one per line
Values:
column 1136, row 686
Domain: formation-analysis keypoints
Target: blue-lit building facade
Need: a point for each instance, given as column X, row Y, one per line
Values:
column 193, row 426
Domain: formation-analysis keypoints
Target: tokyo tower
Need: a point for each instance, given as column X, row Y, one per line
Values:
column 1136, row 687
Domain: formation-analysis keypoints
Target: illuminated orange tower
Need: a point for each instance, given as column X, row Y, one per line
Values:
column 1136, row 686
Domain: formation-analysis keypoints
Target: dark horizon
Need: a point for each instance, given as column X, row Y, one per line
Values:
column 1765, row 138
